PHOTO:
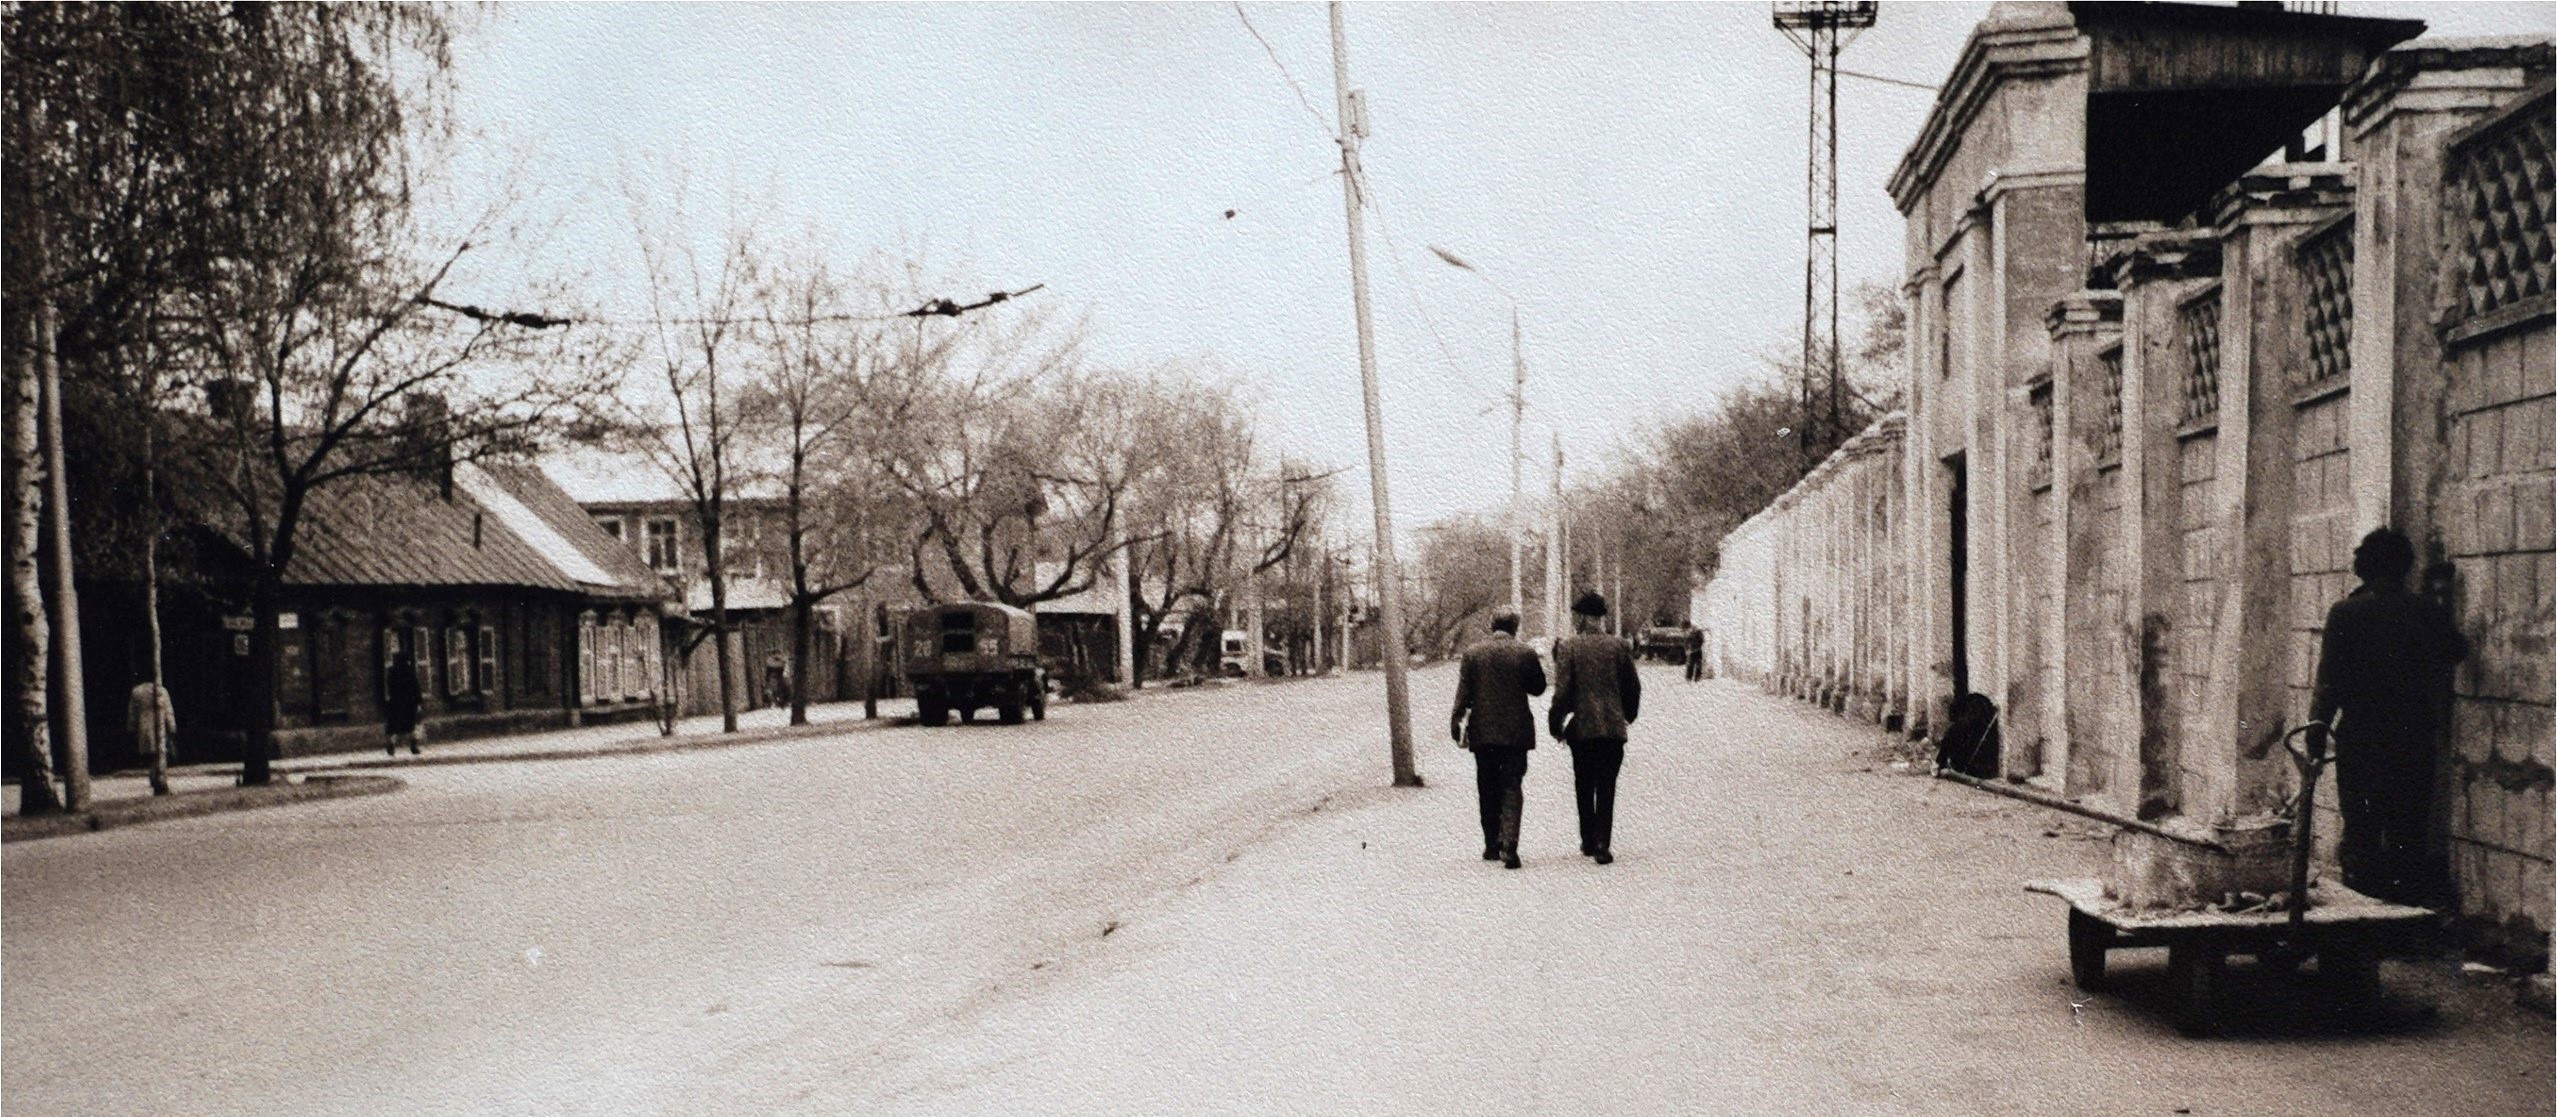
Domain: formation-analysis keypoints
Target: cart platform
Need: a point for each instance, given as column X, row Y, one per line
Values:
column 2346, row 930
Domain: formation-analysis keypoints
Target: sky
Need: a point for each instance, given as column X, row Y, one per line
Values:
column 1633, row 175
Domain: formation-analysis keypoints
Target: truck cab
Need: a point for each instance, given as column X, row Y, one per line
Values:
column 973, row 655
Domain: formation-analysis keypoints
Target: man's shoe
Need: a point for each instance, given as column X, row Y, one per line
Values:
column 1509, row 859
column 1587, row 849
column 1491, row 854
column 1603, row 857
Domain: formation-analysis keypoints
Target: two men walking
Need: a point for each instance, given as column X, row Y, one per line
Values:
column 1596, row 696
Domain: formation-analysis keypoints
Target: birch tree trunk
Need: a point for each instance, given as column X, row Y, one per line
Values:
column 30, row 636
column 71, row 709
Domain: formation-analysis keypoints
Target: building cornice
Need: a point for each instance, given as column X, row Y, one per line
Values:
column 2045, row 45
column 2084, row 313
column 2283, row 194
column 2446, row 73
column 2167, row 255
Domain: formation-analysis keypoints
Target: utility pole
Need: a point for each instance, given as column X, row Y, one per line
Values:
column 1517, row 422
column 1816, row 26
column 1554, row 604
column 1398, row 706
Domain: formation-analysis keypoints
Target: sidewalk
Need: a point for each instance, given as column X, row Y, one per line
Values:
column 622, row 739
column 1792, row 926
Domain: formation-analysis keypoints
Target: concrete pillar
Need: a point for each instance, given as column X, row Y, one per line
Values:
column 2262, row 346
column 2098, row 703
column 2156, row 274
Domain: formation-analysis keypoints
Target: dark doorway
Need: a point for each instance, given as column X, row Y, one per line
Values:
column 1958, row 544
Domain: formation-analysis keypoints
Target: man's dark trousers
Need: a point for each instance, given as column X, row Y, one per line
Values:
column 1499, row 776
column 2383, row 788
column 1594, row 765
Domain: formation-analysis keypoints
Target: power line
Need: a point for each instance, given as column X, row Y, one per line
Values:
column 1901, row 82
column 1322, row 127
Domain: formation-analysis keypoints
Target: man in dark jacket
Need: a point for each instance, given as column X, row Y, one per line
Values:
column 2384, row 665
column 1596, row 696
column 400, row 702
column 1492, row 719
column 1695, row 653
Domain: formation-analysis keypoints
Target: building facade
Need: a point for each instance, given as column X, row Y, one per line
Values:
column 2171, row 359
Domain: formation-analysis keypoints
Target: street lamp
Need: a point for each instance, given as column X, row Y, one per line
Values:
column 1517, row 413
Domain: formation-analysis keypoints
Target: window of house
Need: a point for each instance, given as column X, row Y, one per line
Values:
column 488, row 659
column 663, row 555
column 654, row 657
column 457, row 660
column 421, row 652
column 586, row 658
column 610, row 524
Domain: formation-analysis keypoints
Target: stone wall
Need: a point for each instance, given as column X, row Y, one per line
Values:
column 2137, row 456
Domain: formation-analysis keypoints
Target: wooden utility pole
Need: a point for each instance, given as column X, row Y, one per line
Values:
column 1389, row 589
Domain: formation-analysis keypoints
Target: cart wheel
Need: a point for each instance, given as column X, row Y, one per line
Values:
column 2089, row 938
column 2193, row 974
column 931, row 712
column 967, row 715
column 1009, row 713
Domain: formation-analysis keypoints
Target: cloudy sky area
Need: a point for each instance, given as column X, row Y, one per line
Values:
column 1632, row 174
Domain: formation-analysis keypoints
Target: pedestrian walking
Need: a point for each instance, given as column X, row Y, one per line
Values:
column 1493, row 721
column 2383, row 684
column 1597, row 695
column 153, row 721
column 400, row 702
column 1695, row 653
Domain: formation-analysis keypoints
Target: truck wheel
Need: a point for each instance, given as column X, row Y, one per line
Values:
column 930, row 711
column 1009, row 713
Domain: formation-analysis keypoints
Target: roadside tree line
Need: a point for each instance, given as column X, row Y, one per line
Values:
column 222, row 267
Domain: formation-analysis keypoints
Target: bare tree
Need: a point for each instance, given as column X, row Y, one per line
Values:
column 1013, row 457
column 700, row 312
column 811, row 405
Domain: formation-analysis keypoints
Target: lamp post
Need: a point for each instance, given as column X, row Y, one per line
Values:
column 1517, row 414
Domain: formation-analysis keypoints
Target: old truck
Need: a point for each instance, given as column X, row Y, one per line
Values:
column 974, row 655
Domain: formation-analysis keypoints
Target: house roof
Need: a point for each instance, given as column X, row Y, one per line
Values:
column 501, row 527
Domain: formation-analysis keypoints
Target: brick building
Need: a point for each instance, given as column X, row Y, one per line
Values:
column 2197, row 296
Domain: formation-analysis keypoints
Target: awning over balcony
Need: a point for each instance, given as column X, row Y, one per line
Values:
column 2182, row 98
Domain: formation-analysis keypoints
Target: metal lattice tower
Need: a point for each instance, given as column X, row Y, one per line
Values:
column 1822, row 28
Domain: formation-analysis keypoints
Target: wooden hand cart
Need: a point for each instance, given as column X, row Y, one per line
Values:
column 2346, row 930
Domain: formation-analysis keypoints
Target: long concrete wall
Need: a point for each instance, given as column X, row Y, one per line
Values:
column 2136, row 458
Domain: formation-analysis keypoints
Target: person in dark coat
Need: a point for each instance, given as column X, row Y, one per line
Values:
column 1597, row 695
column 400, row 701
column 1695, row 654
column 1493, row 721
column 2384, row 666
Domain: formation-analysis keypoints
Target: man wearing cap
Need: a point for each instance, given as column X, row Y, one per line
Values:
column 1596, row 696
column 1492, row 720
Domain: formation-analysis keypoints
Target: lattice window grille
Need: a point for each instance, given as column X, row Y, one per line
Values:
column 2111, row 448
column 2200, row 328
column 2042, row 434
column 2326, row 271
column 2502, row 191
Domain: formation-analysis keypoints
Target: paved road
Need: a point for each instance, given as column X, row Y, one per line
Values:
column 632, row 935
column 909, row 920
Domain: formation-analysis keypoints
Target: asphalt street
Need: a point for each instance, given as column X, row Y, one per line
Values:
column 1196, row 901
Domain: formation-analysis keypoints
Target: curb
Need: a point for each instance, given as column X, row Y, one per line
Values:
column 643, row 747
column 162, row 808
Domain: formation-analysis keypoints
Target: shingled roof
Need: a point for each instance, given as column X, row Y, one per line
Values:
column 502, row 526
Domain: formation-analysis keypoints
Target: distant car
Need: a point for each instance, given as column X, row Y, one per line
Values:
column 1666, row 641
column 1236, row 662
column 973, row 655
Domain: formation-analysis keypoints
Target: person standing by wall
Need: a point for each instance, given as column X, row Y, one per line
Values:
column 1492, row 720
column 1695, row 653
column 1597, row 695
column 2383, row 664
column 400, row 702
